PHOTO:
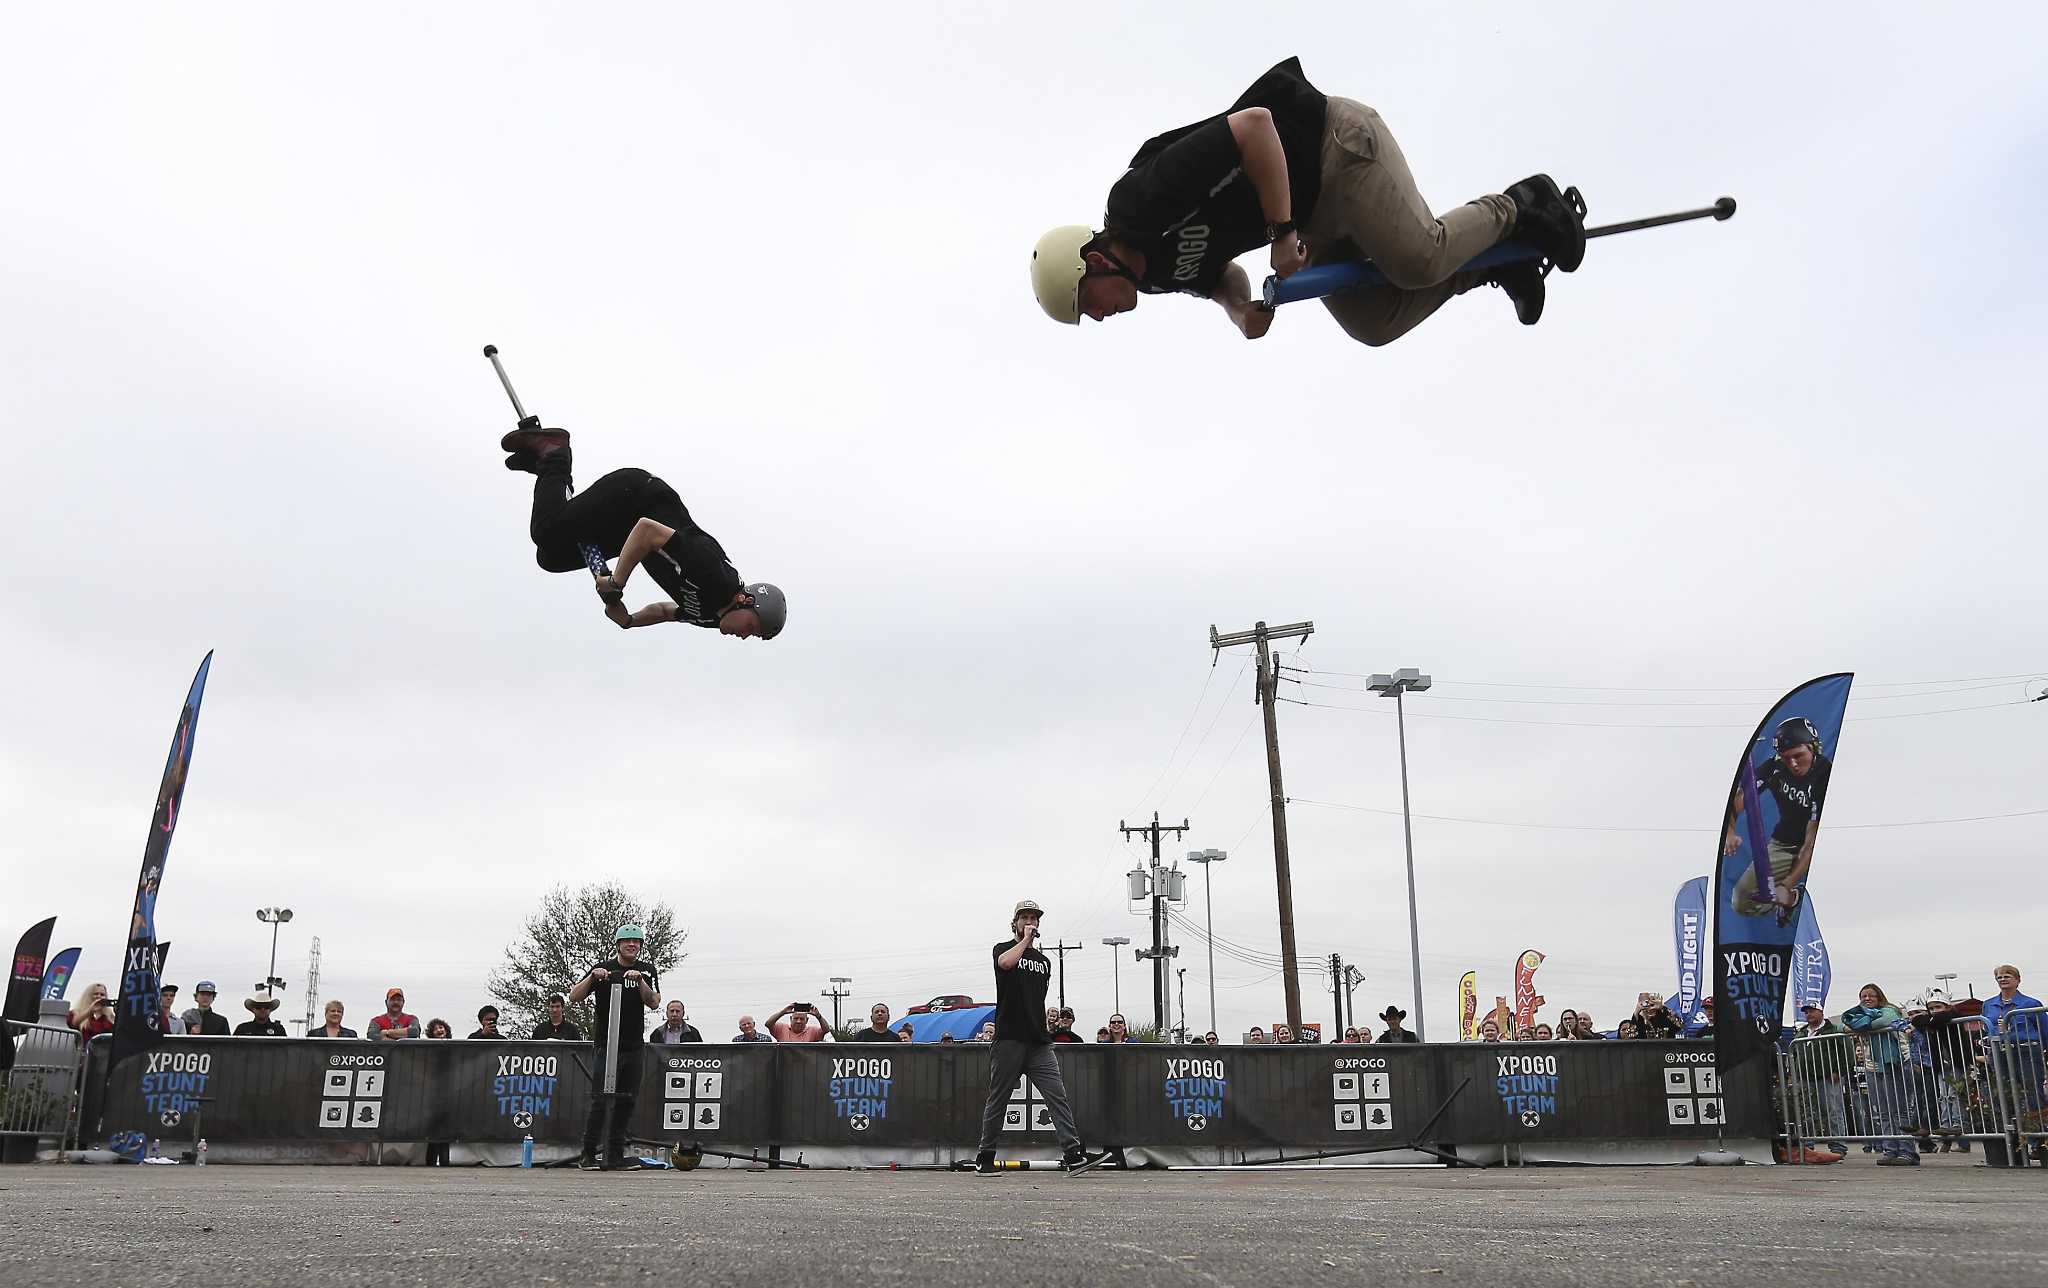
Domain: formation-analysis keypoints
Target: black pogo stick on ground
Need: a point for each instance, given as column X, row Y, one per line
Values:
column 592, row 556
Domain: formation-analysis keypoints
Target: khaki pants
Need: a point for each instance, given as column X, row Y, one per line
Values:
column 1370, row 208
column 1783, row 859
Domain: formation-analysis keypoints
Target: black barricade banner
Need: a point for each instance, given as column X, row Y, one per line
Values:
column 25, row 984
column 138, row 1016
column 1258, row 1100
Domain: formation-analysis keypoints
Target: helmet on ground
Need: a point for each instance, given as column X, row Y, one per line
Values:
column 1798, row 731
column 771, row 606
column 1057, row 269
column 629, row 931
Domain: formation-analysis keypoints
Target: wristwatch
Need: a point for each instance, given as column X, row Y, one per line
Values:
column 1275, row 231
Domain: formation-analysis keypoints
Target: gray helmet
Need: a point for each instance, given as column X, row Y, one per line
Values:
column 770, row 606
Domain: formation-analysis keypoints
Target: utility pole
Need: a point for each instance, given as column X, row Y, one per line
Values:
column 1181, row 1033
column 1337, row 992
column 1268, row 681
column 1063, row 948
column 1157, row 892
column 1116, row 984
column 1353, row 977
column 837, row 991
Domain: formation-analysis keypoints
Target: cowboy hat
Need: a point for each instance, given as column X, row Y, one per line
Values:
column 1393, row 1013
column 260, row 1003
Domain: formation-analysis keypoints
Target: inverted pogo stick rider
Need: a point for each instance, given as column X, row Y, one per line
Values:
column 1320, row 179
column 634, row 518
column 1023, row 1047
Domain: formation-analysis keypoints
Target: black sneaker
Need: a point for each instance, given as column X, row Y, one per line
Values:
column 1079, row 1160
column 1551, row 221
column 985, row 1163
column 587, row 1160
column 1523, row 283
column 524, row 462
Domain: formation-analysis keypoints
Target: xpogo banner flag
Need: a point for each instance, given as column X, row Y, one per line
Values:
column 1767, row 836
column 25, row 985
column 139, row 1014
column 1468, row 1006
column 1527, row 1003
column 1811, row 973
column 57, row 976
column 1689, row 937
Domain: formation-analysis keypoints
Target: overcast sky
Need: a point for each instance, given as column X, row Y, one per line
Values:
column 778, row 256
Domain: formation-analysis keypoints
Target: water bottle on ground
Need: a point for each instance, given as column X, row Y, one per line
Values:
column 526, row 1151
column 200, row 1152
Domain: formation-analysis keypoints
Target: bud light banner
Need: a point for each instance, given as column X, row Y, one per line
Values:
column 25, row 984
column 1689, row 935
column 1811, row 974
column 138, row 1016
column 57, row 977
column 1766, row 845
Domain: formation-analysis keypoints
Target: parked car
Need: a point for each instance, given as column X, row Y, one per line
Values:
column 946, row 1002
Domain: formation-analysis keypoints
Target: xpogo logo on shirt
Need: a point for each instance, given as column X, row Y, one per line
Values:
column 859, row 1089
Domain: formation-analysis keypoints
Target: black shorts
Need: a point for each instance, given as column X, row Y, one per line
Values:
column 602, row 515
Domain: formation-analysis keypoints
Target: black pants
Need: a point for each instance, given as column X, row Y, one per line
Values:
column 622, row 1111
column 600, row 515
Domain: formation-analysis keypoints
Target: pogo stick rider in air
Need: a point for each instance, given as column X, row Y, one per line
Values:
column 634, row 518
column 1320, row 179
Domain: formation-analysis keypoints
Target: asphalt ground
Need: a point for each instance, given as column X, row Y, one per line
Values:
column 1948, row 1223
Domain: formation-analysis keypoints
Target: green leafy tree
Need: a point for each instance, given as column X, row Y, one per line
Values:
column 570, row 931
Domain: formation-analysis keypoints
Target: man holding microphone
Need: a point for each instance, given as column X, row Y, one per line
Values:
column 1022, row 1047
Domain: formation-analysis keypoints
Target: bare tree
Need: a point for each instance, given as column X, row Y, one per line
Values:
column 571, row 932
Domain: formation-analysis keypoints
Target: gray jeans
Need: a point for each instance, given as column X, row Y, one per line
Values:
column 1370, row 208
column 1008, row 1061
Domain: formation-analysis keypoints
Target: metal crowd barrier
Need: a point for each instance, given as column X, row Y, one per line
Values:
column 1894, row 1088
column 36, row 1104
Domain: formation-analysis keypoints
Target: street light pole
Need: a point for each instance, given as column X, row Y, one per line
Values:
column 1113, row 943
column 1406, row 680
column 1205, row 858
column 275, row 917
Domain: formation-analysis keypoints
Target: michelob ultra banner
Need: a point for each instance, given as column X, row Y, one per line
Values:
column 1766, row 846
column 1527, row 1001
column 24, row 985
column 1811, row 974
column 139, row 1014
column 1468, row 1006
column 1689, row 938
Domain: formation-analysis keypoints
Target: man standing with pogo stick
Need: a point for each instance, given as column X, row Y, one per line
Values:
column 626, row 991
column 633, row 517
column 1022, row 1047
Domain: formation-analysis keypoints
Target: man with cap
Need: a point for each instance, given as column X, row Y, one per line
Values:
column 633, row 517
column 1797, row 777
column 642, row 993
column 1392, row 1018
column 173, row 1023
column 260, row 1006
column 202, row 1021
column 394, row 1023
column 1022, row 1047
column 1315, row 178
column 1819, row 1067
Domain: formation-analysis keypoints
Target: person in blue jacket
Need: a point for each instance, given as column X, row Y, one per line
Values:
column 1877, row 1025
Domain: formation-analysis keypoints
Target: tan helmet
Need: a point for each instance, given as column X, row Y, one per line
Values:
column 1057, row 269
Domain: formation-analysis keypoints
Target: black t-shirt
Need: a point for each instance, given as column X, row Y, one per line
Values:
column 1401, row 1036
column 489, row 1037
column 1799, row 799
column 210, row 1024
column 1187, row 203
column 693, row 571
column 566, row 1031
column 633, row 1006
column 1020, row 995
column 1657, row 1024
column 872, row 1034
column 260, row 1029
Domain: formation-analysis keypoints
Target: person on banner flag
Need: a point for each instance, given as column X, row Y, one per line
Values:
column 1797, row 778
column 635, row 518
column 1317, row 179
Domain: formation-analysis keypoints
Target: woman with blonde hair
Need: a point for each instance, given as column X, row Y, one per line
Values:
column 94, row 1014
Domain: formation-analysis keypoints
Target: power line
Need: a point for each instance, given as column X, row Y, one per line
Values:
column 1575, row 702
column 1616, row 724
column 1612, row 688
column 1585, row 827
